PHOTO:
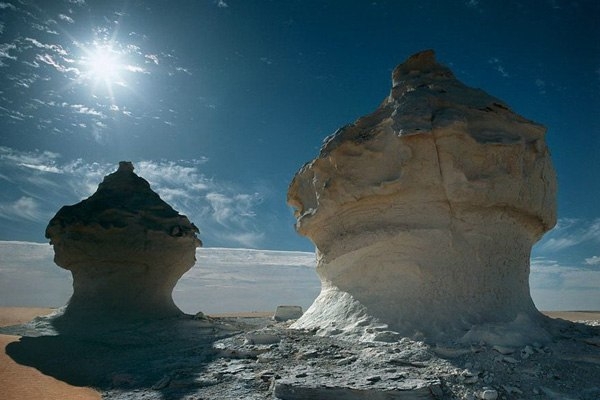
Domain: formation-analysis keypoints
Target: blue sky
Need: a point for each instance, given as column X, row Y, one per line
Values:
column 219, row 103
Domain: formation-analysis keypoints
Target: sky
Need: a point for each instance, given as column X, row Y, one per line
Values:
column 219, row 103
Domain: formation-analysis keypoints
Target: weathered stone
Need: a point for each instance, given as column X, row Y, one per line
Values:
column 126, row 249
column 286, row 313
column 424, row 212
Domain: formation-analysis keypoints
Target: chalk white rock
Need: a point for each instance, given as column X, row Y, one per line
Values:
column 489, row 394
column 125, row 247
column 424, row 212
column 286, row 313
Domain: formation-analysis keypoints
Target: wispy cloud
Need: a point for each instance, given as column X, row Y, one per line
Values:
column 66, row 18
column 4, row 6
column 569, row 233
column 559, row 286
column 548, row 273
column 40, row 160
column 224, row 210
column 594, row 260
column 541, row 85
column 497, row 65
column 54, row 47
column 66, row 64
column 24, row 208
column 222, row 4
column 5, row 49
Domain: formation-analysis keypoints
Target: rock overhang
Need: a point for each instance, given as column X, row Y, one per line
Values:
column 427, row 206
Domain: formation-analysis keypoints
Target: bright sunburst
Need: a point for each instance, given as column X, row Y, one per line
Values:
column 103, row 67
column 103, row 64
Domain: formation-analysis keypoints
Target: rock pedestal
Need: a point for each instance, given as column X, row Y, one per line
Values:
column 126, row 249
column 424, row 212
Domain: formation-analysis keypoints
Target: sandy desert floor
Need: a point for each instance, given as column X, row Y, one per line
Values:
column 19, row 382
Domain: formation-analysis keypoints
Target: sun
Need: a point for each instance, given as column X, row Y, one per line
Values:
column 103, row 64
column 103, row 67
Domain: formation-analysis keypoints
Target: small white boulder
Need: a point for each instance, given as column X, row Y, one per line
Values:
column 285, row 313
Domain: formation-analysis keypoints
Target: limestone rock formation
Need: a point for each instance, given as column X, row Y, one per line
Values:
column 125, row 247
column 424, row 212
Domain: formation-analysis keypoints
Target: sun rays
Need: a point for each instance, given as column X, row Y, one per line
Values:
column 103, row 68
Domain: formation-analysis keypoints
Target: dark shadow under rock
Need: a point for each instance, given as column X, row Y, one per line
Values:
column 119, row 356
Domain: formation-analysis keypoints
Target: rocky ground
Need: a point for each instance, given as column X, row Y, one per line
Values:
column 258, row 358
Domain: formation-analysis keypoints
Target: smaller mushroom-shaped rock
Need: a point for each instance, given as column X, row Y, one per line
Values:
column 126, row 249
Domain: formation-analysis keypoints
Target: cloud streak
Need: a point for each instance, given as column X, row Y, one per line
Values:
column 226, row 212
column 24, row 208
column 57, row 60
column 569, row 233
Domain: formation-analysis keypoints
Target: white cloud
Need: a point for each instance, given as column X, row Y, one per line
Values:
column 5, row 49
column 42, row 168
column 38, row 160
column 4, row 6
column 541, row 85
column 49, row 59
column 594, row 260
column 54, row 47
column 497, row 64
column 226, row 212
column 569, row 233
column 26, row 208
column 230, row 210
column 136, row 69
column 82, row 109
column 66, row 18
column 222, row 4
column 558, row 286
column 153, row 58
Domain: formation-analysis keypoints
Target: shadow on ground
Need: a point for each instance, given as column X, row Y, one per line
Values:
column 109, row 355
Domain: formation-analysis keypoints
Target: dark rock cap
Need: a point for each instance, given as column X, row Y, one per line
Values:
column 122, row 199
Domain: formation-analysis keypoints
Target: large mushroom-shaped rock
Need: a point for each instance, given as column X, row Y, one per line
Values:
column 126, row 249
column 424, row 212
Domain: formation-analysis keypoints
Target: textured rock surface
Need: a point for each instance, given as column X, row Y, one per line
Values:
column 424, row 212
column 257, row 358
column 125, row 247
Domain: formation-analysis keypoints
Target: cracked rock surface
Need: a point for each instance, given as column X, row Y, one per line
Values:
column 424, row 212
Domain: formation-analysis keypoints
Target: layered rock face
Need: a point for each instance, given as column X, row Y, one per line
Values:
column 424, row 212
column 125, row 247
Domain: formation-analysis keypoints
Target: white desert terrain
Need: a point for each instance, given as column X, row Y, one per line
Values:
column 423, row 215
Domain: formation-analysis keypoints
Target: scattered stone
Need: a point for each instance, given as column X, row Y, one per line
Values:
column 526, row 352
column 286, row 313
column 387, row 337
column 163, row 383
column 262, row 337
column 503, row 349
column 488, row 394
column 511, row 389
